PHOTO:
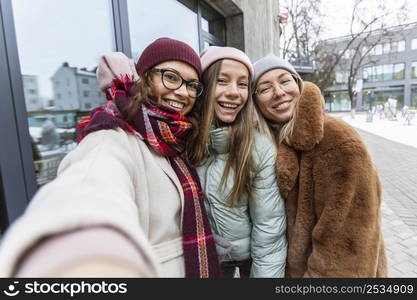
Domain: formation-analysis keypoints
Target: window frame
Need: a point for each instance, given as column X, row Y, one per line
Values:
column 17, row 170
column 16, row 158
column 204, row 35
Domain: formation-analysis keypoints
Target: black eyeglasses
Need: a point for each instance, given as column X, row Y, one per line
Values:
column 172, row 80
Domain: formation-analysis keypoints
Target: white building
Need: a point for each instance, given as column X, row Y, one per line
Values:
column 76, row 89
column 31, row 92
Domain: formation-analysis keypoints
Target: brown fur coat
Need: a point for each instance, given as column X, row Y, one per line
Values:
column 333, row 197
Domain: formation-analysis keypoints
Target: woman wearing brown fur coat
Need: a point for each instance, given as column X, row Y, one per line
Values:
column 326, row 175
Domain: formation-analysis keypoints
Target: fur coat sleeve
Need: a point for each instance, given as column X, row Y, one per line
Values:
column 346, row 236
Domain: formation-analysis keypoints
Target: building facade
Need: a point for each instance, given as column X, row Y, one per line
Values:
column 59, row 45
column 31, row 92
column 388, row 71
column 76, row 89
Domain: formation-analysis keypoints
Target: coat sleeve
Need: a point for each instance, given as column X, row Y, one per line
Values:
column 267, row 211
column 94, row 187
column 346, row 237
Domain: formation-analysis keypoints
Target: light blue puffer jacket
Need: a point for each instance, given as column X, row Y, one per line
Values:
column 255, row 227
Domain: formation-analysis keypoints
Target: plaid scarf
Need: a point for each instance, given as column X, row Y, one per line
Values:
column 165, row 131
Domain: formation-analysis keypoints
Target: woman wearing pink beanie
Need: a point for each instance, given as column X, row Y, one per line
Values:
column 126, row 202
column 236, row 166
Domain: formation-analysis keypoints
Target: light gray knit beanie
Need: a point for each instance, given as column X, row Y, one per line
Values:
column 270, row 62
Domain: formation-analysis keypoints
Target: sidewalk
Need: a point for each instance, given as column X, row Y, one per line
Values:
column 396, row 131
column 400, row 243
column 389, row 144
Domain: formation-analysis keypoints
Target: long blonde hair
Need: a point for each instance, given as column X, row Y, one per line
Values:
column 241, row 135
column 262, row 125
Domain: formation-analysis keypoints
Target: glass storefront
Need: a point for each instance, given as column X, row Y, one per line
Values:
column 373, row 96
column 337, row 101
column 49, row 55
column 59, row 45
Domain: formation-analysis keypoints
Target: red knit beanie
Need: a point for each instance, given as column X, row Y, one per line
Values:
column 164, row 49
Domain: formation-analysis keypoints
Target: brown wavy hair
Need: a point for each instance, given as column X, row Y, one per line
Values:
column 138, row 93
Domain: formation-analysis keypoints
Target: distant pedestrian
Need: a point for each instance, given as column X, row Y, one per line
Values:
column 380, row 111
column 49, row 135
column 327, row 177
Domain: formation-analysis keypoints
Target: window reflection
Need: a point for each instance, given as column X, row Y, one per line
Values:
column 147, row 22
column 59, row 45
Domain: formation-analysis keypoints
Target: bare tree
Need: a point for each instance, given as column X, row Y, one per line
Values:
column 367, row 29
column 300, row 36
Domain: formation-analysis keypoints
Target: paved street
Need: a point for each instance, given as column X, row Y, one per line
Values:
column 397, row 164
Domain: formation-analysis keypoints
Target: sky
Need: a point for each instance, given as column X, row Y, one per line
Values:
column 338, row 13
column 50, row 32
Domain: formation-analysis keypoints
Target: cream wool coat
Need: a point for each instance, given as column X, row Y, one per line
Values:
column 113, row 179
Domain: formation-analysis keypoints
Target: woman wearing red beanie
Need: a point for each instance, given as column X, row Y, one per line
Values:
column 125, row 202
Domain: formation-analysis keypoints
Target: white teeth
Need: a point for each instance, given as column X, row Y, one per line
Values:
column 283, row 105
column 228, row 105
column 176, row 104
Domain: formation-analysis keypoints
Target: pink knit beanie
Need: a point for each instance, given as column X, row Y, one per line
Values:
column 213, row 53
column 164, row 49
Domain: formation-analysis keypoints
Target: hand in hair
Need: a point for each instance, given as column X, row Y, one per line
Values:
column 114, row 64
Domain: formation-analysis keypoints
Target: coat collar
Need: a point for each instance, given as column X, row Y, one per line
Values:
column 218, row 139
column 309, row 122
column 308, row 132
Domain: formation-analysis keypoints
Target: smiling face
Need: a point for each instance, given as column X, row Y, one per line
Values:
column 277, row 93
column 232, row 90
column 178, row 99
